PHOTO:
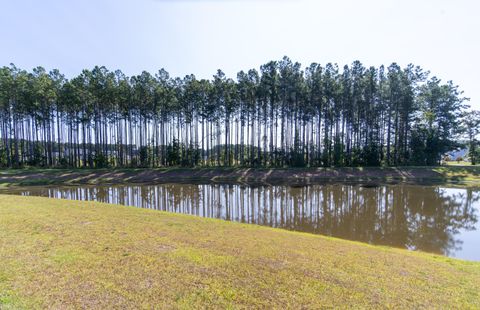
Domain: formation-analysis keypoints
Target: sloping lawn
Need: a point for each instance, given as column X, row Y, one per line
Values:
column 453, row 175
column 67, row 254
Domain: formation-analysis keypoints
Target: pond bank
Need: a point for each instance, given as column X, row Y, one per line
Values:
column 91, row 255
column 460, row 175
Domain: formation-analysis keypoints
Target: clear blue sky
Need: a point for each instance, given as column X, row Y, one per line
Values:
column 200, row 36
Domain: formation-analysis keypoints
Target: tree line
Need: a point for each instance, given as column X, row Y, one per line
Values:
column 281, row 115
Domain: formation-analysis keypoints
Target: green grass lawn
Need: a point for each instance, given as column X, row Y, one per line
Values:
column 67, row 254
column 458, row 163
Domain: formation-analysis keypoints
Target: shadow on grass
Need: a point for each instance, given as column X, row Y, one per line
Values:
column 238, row 175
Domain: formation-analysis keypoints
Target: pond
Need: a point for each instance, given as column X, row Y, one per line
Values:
column 434, row 219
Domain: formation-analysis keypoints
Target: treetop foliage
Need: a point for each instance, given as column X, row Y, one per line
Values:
column 280, row 115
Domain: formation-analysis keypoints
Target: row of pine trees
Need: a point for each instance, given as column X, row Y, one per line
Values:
column 282, row 115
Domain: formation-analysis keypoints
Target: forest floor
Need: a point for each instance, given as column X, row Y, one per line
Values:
column 73, row 254
column 460, row 175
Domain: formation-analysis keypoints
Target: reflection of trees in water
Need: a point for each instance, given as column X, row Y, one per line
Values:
column 435, row 217
column 418, row 217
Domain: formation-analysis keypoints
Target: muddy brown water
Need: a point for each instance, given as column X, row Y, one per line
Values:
column 433, row 219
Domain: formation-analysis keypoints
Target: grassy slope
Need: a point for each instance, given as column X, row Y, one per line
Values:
column 463, row 175
column 61, row 254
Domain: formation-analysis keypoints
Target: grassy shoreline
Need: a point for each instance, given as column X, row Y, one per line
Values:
column 74, row 254
column 455, row 175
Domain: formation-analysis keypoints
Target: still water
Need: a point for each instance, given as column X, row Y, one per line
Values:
column 427, row 218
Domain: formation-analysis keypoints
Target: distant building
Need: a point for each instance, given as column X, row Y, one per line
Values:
column 456, row 154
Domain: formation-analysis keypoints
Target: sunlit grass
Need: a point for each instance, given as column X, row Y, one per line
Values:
column 458, row 163
column 70, row 254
